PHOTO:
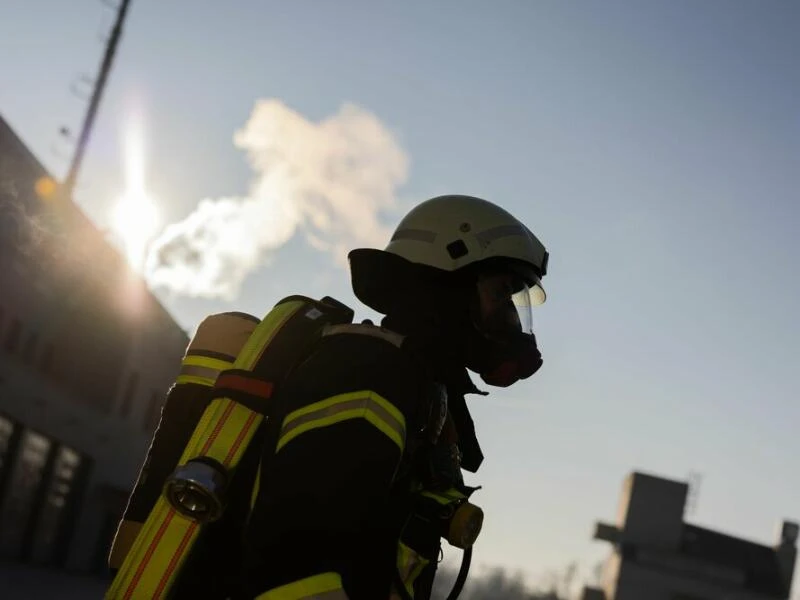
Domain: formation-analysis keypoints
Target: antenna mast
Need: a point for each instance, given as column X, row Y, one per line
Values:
column 68, row 186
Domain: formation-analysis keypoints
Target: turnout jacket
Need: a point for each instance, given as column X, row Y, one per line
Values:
column 343, row 461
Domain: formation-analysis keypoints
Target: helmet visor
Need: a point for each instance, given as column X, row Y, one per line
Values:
column 505, row 305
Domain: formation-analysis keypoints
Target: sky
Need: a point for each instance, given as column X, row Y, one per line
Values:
column 654, row 147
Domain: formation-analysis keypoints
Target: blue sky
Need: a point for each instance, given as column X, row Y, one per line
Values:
column 653, row 146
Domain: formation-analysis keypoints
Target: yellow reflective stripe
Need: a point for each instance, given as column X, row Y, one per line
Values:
column 345, row 415
column 208, row 362
column 327, row 586
column 445, row 497
column 409, row 564
column 223, row 433
column 333, row 400
column 202, row 370
column 197, row 379
column 354, row 405
column 264, row 333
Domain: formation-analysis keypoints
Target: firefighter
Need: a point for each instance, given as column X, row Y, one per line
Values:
column 373, row 425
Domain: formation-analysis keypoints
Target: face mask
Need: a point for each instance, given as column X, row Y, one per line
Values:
column 503, row 365
column 502, row 347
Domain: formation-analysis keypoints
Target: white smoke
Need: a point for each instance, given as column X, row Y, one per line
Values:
column 330, row 180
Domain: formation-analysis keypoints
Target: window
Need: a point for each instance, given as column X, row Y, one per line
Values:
column 61, row 485
column 128, row 394
column 13, row 335
column 23, row 486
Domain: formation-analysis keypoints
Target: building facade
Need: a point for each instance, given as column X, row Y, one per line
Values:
column 87, row 355
column 656, row 555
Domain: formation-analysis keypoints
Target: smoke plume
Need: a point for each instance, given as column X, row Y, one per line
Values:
column 329, row 180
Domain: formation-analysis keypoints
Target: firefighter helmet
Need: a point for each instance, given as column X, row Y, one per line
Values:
column 455, row 232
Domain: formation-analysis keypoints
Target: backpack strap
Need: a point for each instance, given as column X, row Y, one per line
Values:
column 367, row 329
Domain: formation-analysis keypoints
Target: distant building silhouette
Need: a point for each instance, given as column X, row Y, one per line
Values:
column 657, row 556
column 86, row 357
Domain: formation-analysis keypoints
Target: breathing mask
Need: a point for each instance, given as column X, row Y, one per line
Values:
column 502, row 347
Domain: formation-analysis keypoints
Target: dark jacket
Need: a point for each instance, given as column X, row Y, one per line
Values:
column 335, row 495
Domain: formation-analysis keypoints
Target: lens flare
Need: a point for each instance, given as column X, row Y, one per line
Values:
column 135, row 217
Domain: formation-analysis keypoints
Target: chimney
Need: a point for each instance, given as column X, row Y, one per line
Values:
column 786, row 550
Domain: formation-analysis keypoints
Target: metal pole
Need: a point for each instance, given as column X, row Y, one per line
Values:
column 68, row 186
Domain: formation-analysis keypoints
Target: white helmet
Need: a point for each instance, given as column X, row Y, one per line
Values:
column 453, row 232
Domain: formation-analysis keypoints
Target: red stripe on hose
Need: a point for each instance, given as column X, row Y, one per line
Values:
column 148, row 555
column 173, row 563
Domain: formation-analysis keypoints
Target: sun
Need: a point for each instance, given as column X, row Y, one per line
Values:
column 135, row 222
column 135, row 216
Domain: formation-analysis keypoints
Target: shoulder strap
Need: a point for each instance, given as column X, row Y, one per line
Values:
column 388, row 335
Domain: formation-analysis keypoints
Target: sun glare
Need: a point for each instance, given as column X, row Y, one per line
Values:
column 135, row 216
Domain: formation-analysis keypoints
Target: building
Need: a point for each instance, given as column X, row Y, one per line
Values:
column 86, row 357
column 658, row 556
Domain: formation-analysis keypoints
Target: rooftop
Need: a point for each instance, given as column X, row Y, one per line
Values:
column 56, row 239
column 759, row 563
